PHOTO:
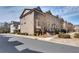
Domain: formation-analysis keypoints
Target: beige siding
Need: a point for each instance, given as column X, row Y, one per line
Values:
column 47, row 20
column 40, row 21
column 27, row 24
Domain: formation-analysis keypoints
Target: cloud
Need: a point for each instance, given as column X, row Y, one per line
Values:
column 8, row 13
column 7, row 7
column 70, row 11
column 71, row 15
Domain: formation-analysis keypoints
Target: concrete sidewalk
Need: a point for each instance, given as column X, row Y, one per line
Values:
column 32, row 37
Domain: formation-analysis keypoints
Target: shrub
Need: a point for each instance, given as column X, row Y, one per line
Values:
column 13, row 33
column 61, row 35
column 76, row 35
column 56, row 31
column 63, row 31
column 26, row 33
column 18, row 33
column 35, row 34
column 22, row 33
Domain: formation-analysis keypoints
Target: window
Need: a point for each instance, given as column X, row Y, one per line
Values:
column 24, row 22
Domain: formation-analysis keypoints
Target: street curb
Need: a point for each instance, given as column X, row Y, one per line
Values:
column 32, row 37
column 42, row 39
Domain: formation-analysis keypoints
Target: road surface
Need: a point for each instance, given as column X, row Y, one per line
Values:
column 12, row 44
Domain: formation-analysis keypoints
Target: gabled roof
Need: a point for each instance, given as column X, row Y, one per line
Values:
column 38, row 9
column 24, row 11
column 49, row 12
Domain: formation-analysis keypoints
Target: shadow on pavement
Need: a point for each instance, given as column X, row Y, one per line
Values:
column 5, row 46
column 8, row 47
column 30, row 51
column 15, row 43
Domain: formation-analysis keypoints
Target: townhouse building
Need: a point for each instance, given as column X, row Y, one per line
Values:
column 14, row 27
column 35, row 20
column 69, row 27
column 76, row 28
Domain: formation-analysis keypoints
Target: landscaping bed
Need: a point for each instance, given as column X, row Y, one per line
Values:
column 76, row 35
column 62, row 35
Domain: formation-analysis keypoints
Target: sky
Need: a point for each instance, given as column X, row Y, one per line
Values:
column 68, row 13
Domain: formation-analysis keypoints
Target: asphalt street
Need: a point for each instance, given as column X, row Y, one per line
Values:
column 12, row 44
column 9, row 47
